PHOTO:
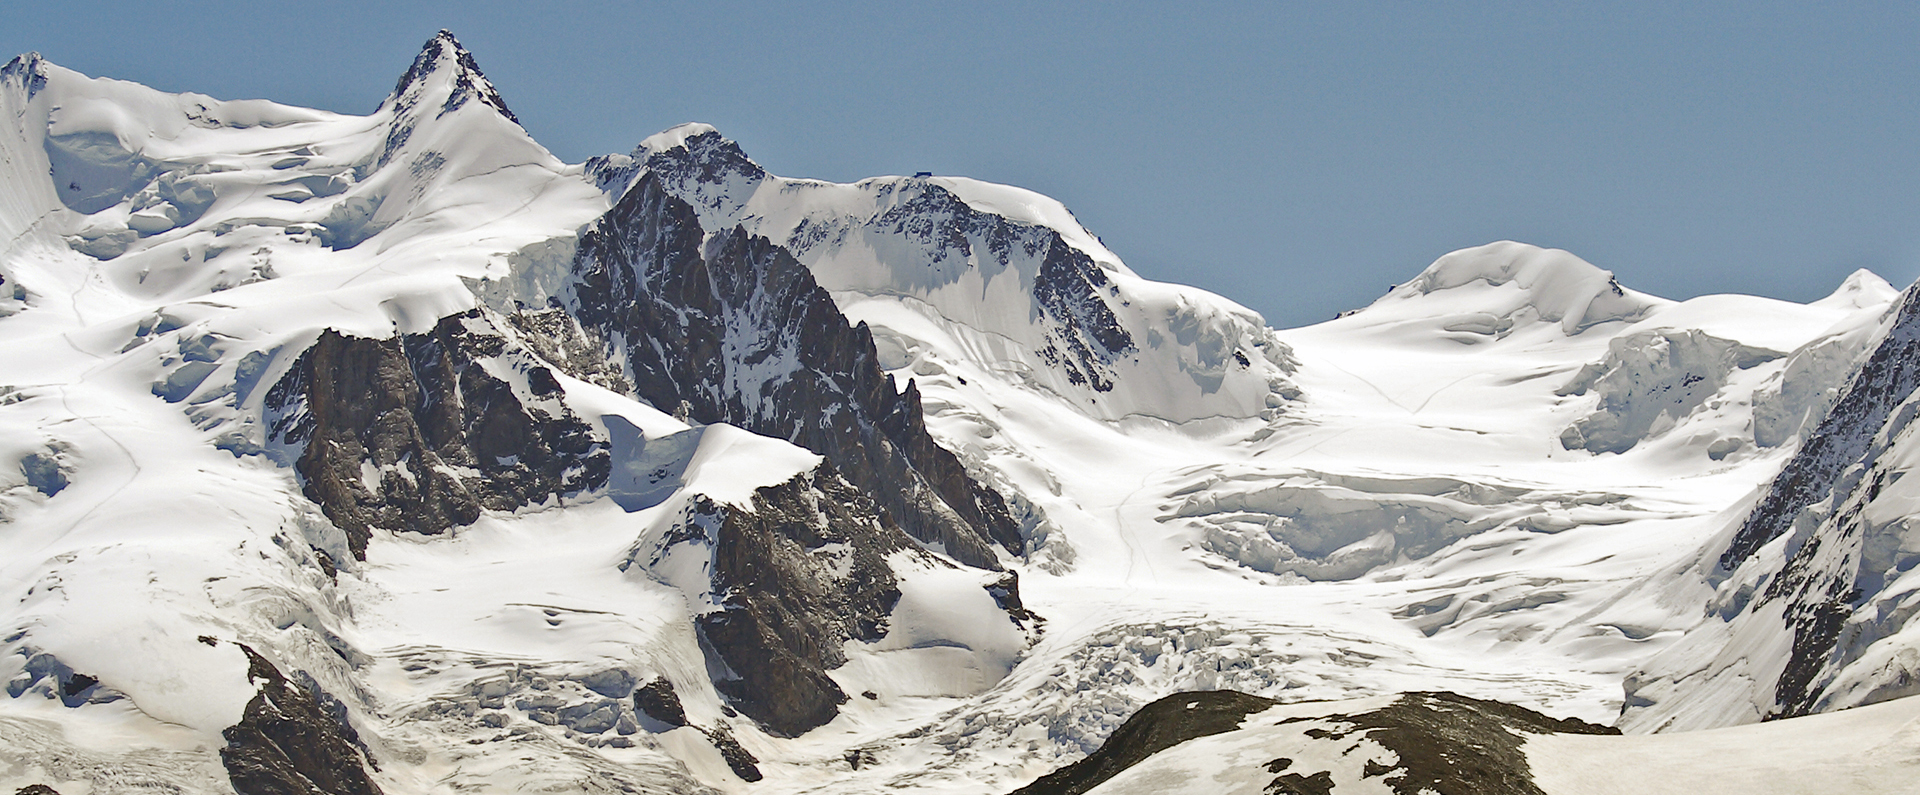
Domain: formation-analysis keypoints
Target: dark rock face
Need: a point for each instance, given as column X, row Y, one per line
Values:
column 1156, row 727
column 741, row 761
column 289, row 743
column 1084, row 335
column 444, row 51
column 1006, row 595
column 442, row 54
column 1444, row 742
column 703, row 170
column 738, row 332
column 1449, row 743
column 796, row 577
column 1884, row 381
column 556, row 337
column 412, row 433
column 657, row 700
column 36, row 789
column 1320, row 783
column 1837, row 564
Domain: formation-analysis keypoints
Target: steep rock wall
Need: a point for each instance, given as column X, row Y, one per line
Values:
column 737, row 331
column 421, row 432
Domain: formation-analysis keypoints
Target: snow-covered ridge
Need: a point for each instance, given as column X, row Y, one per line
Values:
column 1514, row 283
column 202, row 251
column 990, row 274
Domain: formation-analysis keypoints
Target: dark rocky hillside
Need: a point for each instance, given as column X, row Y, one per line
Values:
column 736, row 330
column 412, row 434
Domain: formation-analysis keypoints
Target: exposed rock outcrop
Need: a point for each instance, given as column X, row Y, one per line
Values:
column 738, row 332
column 658, row 700
column 443, row 71
column 943, row 237
column 1156, row 727
column 1447, row 742
column 289, row 743
column 793, row 579
column 741, row 761
column 1848, row 558
column 421, row 432
column 443, row 53
column 1085, row 337
column 1884, row 381
column 1433, row 742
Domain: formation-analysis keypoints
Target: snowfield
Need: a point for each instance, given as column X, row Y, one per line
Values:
column 1506, row 478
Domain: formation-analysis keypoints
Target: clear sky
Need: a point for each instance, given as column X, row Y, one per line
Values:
column 1296, row 157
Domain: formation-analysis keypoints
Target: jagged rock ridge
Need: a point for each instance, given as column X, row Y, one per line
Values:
column 1845, row 562
column 738, row 331
column 802, row 573
column 1815, row 572
column 1882, row 383
column 947, row 237
column 417, row 433
column 441, row 52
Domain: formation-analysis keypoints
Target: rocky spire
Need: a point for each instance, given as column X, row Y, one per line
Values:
column 444, row 73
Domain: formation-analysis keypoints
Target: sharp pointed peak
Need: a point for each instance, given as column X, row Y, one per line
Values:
column 443, row 61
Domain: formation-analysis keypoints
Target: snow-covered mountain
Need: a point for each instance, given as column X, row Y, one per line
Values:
column 389, row 453
column 1810, row 605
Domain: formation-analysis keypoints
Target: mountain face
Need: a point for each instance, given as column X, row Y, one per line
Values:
column 414, row 434
column 735, row 329
column 330, row 461
column 1814, row 574
column 997, row 267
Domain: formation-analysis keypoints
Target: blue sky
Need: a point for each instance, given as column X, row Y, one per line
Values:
column 1296, row 157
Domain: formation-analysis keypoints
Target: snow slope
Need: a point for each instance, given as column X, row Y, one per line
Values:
column 1413, row 522
column 136, row 375
column 1865, row 750
column 1808, row 600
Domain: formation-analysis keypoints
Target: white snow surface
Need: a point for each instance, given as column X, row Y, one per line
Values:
column 1872, row 749
column 1378, row 503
